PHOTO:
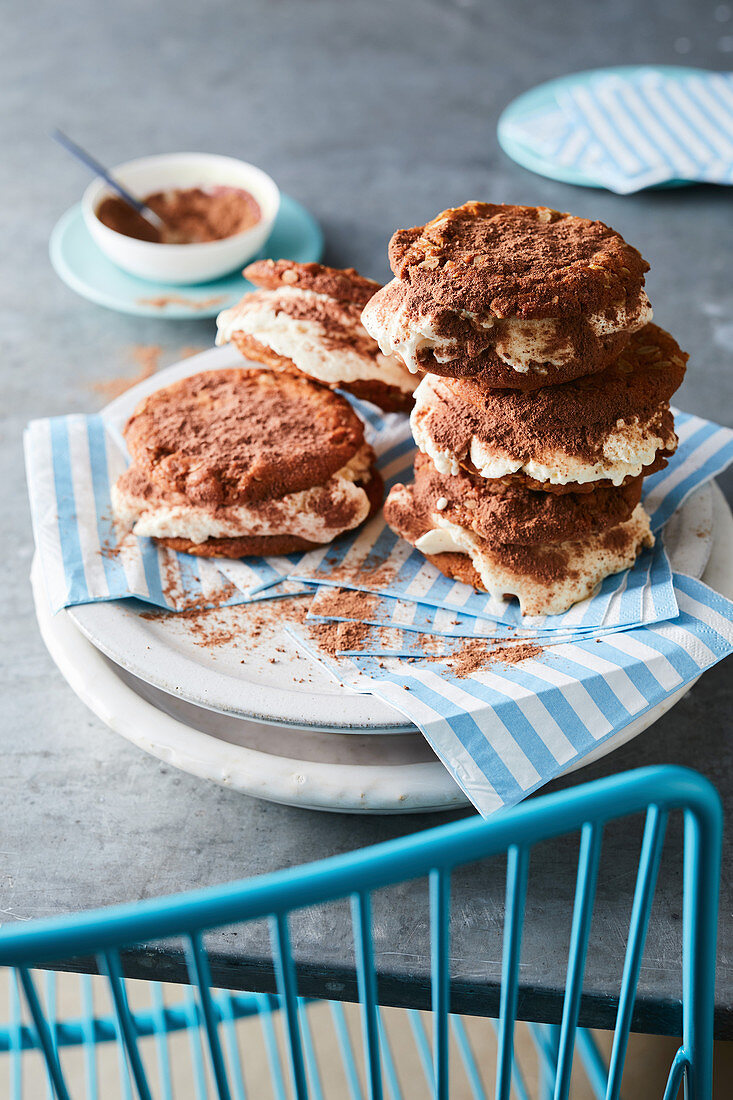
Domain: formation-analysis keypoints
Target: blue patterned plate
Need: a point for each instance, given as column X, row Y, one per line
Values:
column 543, row 101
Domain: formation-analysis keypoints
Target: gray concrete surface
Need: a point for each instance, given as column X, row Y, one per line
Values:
column 375, row 115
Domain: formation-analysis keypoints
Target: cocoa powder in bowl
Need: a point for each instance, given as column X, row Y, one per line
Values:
column 193, row 215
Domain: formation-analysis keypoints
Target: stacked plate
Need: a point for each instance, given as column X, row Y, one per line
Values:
column 242, row 706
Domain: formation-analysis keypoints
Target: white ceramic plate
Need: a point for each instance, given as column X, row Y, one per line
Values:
column 261, row 674
column 237, row 678
column 299, row 767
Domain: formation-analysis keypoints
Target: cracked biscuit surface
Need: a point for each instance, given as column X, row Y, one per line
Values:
column 505, row 511
column 306, row 319
column 546, row 578
column 602, row 427
column 235, row 462
column 521, row 296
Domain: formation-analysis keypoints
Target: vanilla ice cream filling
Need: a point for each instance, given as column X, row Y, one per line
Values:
column 304, row 514
column 403, row 338
column 633, row 445
column 518, row 343
column 587, row 563
column 307, row 343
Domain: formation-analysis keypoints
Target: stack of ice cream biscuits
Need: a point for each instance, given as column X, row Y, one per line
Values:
column 544, row 398
column 307, row 318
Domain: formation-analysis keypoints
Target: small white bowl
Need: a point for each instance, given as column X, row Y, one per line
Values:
column 183, row 263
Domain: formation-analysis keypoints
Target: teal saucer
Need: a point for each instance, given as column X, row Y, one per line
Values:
column 83, row 267
column 543, row 99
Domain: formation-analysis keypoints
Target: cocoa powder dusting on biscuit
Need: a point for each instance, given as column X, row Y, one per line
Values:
column 343, row 285
column 339, row 322
column 218, row 436
column 469, row 342
column 386, row 397
column 512, row 261
column 503, row 510
column 576, row 417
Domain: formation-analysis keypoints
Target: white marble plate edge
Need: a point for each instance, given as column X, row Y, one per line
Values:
column 339, row 787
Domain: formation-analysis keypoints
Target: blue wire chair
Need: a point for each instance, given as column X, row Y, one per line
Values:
column 588, row 808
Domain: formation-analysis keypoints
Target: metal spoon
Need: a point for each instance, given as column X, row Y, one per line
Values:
column 142, row 209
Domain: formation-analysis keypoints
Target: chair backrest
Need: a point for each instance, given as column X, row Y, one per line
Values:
column 586, row 809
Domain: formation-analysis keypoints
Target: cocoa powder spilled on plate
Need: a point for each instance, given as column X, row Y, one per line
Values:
column 334, row 638
column 346, row 603
column 160, row 301
column 147, row 358
column 213, row 627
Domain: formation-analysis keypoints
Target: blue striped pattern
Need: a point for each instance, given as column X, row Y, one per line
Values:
column 643, row 594
column 705, row 450
column 421, row 618
column 71, row 462
column 636, row 129
column 508, row 729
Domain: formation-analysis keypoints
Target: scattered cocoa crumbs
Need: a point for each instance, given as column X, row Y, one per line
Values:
column 432, row 646
column 147, row 358
column 117, row 540
column 164, row 300
column 346, row 603
column 515, row 654
column 335, row 637
column 476, row 655
column 191, row 608
column 211, row 627
column 370, row 576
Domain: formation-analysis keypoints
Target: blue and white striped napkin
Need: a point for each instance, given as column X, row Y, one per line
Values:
column 420, row 618
column 374, row 559
column 71, row 464
column 507, row 729
column 636, row 128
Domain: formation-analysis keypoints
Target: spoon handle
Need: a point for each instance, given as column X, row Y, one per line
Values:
column 100, row 170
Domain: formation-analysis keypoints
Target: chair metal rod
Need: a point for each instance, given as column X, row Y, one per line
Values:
column 361, row 919
column 440, row 978
column 585, row 893
column 287, row 988
column 198, row 968
column 109, row 963
column 646, row 881
column 516, row 893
